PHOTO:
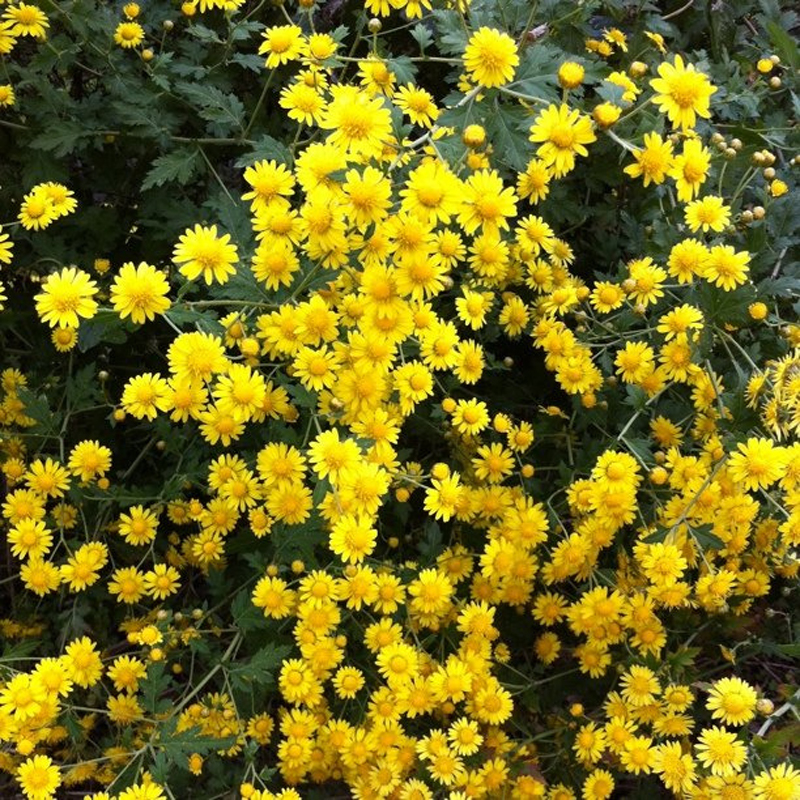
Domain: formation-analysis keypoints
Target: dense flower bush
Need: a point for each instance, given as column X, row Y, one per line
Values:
column 399, row 400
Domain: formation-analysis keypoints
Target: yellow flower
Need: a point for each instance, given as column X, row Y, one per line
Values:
column 417, row 104
column 353, row 538
column 66, row 296
column 27, row 20
column 778, row 783
column 732, row 700
column 39, row 778
column 201, row 252
column 6, row 95
column 606, row 114
column 140, row 292
column 129, row 34
column 765, row 66
column 690, row 168
column 83, row 661
column 145, row 395
column 563, row 134
column 709, row 214
column 570, row 74
column 653, row 162
column 721, row 751
column 725, row 267
column 491, row 57
column 360, row 124
column 778, row 188
column 138, row 526
column 162, row 581
column 757, row 463
column 282, row 43
column 682, row 93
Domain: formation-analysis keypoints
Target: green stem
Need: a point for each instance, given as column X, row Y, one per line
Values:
column 259, row 103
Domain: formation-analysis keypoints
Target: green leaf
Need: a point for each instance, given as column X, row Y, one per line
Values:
column 785, row 45
column 214, row 105
column 505, row 128
column 422, row 35
column 249, row 61
column 536, row 75
column 104, row 326
column 266, row 148
column 403, row 68
column 245, row 615
column 153, row 686
column 178, row 746
column 452, row 34
column 259, row 669
column 180, row 166
column 706, row 539
column 61, row 138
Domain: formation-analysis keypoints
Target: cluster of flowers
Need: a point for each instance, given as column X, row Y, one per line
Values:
column 424, row 257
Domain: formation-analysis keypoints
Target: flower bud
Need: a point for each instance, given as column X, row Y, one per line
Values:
column 440, row 471
column 374, row 25
column 765, row 706
column 637, row 69
column 658, row 476
column 570, row 75
column 474, row 136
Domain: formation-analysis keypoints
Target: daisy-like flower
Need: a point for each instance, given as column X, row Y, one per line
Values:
column 140, row 292
column 778, row 783
column 7, row 38
column 38, row 777
column 129, row 35
column 6, row 248
column 721, row 751
column 654, row 162
column 282, row 43
column 200, row 251
column 491, row 57
column 690, row 168
column 757, row 463
column 145, row 395
column 359, row 123
column 564, row 134
column 682, row 93
column 27, row 20
column 725, row 267
column 66, row 296
column 36, row 211
column 709, row 213
column 417, row 104
column 7, row 95
column 732, row 700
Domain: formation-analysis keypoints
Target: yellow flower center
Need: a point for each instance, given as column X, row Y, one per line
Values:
column 562, row 135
